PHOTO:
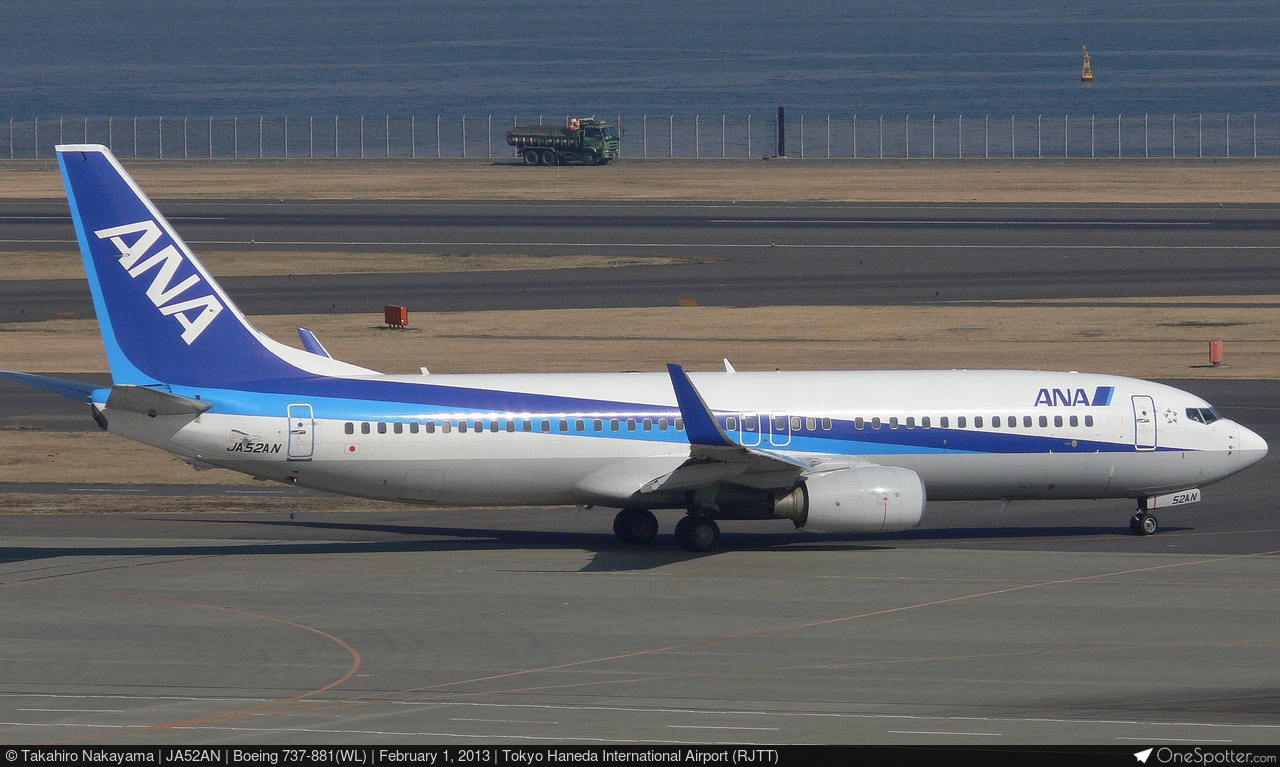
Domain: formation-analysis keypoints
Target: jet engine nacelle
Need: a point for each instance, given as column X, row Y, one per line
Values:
column 867, row 499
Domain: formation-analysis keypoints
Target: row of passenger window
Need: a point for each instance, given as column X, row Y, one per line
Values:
column 562, row 425
column 962, row 422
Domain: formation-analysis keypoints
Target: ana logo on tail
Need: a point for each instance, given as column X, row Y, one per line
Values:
column 161, row 292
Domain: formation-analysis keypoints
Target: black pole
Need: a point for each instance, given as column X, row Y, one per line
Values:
column 782, row 131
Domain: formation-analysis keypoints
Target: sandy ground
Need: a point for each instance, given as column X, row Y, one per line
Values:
column 1151, row 338
column 1012, row 181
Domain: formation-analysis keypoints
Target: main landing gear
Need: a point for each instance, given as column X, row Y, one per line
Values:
column 1143, row 523
column 635, row 526
column 693, row 533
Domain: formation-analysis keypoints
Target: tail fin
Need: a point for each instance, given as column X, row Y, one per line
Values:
column 164, row 319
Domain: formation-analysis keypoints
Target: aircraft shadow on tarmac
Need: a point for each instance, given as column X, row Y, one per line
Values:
column 608, row 553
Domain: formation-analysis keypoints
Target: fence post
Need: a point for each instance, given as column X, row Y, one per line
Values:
column 1200, row 132
column 490, row 128
column 1255, row 134
column 1173, row 135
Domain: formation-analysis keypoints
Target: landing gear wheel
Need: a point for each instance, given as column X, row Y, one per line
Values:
column 531, row 157
column 697, row 534
column 1143, row 523
column 548, row 157
column 635, row 526
column 591, row 158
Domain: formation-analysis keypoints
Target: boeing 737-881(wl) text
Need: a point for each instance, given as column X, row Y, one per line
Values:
column 853, row 451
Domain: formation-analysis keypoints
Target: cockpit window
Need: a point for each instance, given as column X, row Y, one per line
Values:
column 1204, row 414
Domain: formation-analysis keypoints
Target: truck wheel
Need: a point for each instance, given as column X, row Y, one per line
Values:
column 548, row 157
column 591, row 158
column 530, row 157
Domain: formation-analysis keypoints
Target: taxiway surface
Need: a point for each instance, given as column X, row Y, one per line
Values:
column 732, row 254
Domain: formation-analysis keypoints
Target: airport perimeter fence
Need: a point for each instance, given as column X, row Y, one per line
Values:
column 720, row 136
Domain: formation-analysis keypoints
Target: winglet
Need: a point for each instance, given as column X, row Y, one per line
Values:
column 312, row 344
column 699, row 424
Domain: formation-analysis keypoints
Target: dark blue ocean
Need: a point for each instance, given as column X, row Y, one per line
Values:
column 350, row 57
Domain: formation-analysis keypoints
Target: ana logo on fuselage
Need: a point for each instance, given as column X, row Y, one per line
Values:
column 1075, row 397
column 161, row 293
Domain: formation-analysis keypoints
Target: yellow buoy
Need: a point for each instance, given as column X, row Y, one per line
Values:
column 1086, row 74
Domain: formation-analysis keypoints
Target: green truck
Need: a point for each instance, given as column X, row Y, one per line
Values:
column 586, row 140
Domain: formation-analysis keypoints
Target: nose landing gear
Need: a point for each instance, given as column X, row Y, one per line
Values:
column 1143, row 523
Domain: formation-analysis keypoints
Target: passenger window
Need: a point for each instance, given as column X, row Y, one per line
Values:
column 960, row 422
column 349, row 428
column 564, row 425
column 631, row 424
column 779, row 424
column 1057, row 421
column 398, row 428
column 925, row 422
column 944, row 422
column 875, row 422
column 413, row 427
column 462, row 426
column 1026, row 421
column 749, row 423
column 995, row 421
column 480, row 426
column 511, row 427
column 1088, row 420
column 382, row 427
column 911, row 422
column 526, row 425
column 364, row 428
column 1074, row 421
column 597, row 425
column 679, row 424
column 977, row 422
column 546, row 425
column 663, row 423
column 648, row 424
column 893, row 422
column 859, row 424
column 730, row 423
column 795, row 423
column 445, row 426
column 614, row 424
column 431, row 427
column 580, row 425
column 826, row 424
column 811, row 424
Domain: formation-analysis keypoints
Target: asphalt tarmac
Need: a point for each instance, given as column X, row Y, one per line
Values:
column 732, row 254
column 1035, row 622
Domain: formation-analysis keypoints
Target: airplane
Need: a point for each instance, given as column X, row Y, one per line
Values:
column 842, row 452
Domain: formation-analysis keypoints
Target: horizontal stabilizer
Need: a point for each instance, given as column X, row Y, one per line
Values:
column 154, row 402
column 77, row 390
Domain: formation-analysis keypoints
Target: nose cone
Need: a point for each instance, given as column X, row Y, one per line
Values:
column 1253, row 448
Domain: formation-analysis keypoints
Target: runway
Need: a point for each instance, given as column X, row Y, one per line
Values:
column 732, row 254
column 1039, row 622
